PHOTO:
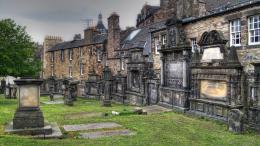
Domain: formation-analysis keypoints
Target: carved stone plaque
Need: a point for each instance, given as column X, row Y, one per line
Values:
column 29, row 96
column 211, row 54
column 213, row 90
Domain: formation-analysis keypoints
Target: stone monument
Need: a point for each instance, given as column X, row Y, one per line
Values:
column 107, row 90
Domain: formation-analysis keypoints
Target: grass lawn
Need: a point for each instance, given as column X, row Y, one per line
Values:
column 168, row 129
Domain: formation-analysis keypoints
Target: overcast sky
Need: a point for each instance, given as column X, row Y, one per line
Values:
column 66, row 17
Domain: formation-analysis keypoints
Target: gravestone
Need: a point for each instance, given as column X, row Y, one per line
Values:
column 3, row 86
column 236, row 121
column 28, row 118
column 68, row 99
column 107, row 90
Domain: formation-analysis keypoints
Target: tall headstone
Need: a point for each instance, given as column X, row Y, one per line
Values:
column 107, row 90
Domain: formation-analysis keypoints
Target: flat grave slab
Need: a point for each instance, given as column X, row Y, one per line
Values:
column 100, row 134
column 154, row 109
column 93, row 126
column 53, row 102
column 74, row 116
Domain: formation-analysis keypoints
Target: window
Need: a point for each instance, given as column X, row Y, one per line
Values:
column 52, row 56
column 235, row 32
column 81, row 69
column 70, row 54
column 156, row 45
column 164, row 39
column 194, row 45
column 70, row 72
column 254, row 30
column 122, row 64
column 62, row 55
column 99, row 55
column 80, row 52
column 52, row 70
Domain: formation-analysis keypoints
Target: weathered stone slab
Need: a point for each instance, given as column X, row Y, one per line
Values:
column 100, row 134
column 155, row 109
column 83, row 127
column 82, row 115
column 53, row 102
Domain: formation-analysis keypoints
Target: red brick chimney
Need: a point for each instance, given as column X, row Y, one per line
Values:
column 113, row 34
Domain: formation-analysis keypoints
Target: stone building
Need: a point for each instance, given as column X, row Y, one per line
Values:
column 75, row 59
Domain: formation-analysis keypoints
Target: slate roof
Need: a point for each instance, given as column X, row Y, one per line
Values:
column 142, row 39
column 224, row 7
column 98, row 39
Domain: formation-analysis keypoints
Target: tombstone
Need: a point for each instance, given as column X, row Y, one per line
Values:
column 28, row 118
column 107, row 90
column 254, row 98
column 73, row 89
column 236, row 121
column 51, row 88
column 119, row 88
column 68, row 99
column 10, row 91
column 175, row 60
column 92, row 86
column 3, row 86
column 28, row 114
column 216, row 82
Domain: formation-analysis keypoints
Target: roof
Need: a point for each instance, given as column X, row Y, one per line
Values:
column 67, row 45
column 141, row 38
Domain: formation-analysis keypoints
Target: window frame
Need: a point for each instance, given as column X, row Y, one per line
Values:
column 164, row 39
column 231, row 32
column 70, row 55
column 249, row 30
column 62, row 55
column 70, row 72
column 156, row 45
column 81, row 69
column 193, row 44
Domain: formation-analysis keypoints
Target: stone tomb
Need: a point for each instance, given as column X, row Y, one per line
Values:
column 28, row 118
column 174, row 90
column 216, row 79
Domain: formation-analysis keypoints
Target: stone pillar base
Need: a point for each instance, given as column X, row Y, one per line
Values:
column 106, row 103
column 28, row 119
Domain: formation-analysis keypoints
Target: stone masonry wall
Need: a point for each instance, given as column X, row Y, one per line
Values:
column 247, row 53
column 88, row 59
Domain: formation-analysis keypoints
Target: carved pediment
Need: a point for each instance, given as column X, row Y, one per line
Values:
column 212, row 38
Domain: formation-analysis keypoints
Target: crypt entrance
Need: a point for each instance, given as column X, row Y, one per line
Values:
column 216, row 83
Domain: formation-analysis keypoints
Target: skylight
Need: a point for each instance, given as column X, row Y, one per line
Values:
column 133, row 34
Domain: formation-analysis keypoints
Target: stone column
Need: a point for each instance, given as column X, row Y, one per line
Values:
column 162, row 61
column 184, row 69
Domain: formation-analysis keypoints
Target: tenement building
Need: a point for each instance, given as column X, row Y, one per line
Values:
column 76, row 58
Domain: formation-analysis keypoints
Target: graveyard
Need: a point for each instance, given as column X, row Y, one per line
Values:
column 168, row 128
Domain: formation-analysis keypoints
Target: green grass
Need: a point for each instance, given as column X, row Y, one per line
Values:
column 168, row 129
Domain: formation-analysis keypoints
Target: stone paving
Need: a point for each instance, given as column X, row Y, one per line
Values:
column 82, row 115
column 155, row 109
column 93, row 126
column 99, row 134
column 53, row 102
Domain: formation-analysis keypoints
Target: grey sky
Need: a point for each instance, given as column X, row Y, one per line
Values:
column 65, row 17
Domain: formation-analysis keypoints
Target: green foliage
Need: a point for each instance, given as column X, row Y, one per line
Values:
column 17, row 51
column 166, row 129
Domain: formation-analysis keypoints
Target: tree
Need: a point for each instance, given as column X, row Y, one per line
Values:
column 17, row 51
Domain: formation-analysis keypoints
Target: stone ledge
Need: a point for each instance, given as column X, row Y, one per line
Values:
column 51, row 130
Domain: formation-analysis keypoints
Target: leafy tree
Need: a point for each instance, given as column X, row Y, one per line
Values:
column 17, row 51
